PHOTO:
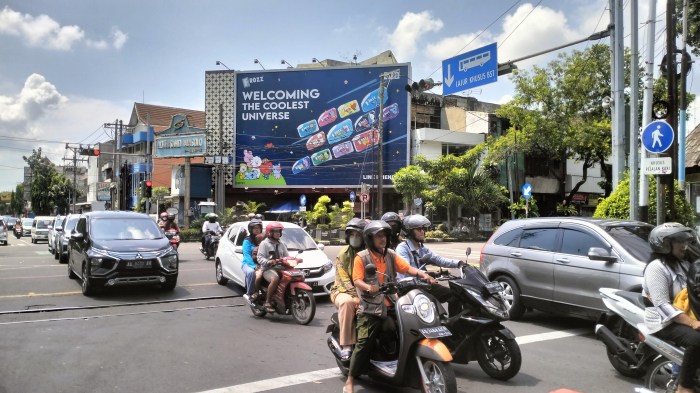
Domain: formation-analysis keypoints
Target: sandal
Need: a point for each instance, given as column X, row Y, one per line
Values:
column 269, row 307
column 253, row 297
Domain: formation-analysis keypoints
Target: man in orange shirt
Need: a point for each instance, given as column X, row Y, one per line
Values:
column 372, row 303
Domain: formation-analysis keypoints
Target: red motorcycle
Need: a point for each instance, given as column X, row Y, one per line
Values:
column 174, row 237
column 293, row 295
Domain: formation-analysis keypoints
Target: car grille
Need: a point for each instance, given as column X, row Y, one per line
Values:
column 312, row 273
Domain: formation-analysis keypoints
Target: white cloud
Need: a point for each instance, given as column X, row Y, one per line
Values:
column 411, row 27
column 44, row 32
column 38, row 96
column 452, row 46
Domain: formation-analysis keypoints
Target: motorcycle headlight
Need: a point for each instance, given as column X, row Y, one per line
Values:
column 425, row 309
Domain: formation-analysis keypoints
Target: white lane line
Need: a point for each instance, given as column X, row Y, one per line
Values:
column 317, row 376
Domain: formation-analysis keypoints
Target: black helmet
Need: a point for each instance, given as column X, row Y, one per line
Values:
column 415, row 221
column 255, row 222
column 212, row 217
column 354, row 224
column 388, row 217
column 372, row 229
column 661, row 236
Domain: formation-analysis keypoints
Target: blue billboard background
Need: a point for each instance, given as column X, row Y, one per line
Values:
column 318, row 127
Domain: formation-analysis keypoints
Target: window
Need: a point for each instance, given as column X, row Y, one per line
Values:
column 123, row 229
column 578, row 242
column 543, row 239
column 81, row 227
column 634, row 239
column 242, row 234
column 509, row 239
column 296, row 239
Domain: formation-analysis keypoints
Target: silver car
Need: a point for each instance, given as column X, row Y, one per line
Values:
column 54, row 233
column 3, row 232
column 558, row 264
column 64, row 237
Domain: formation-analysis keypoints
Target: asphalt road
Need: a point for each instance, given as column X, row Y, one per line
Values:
column 202, row 337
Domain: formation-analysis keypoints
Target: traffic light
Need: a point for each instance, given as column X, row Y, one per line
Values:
column 147, row 188
column 422, row 85
column 89, row 151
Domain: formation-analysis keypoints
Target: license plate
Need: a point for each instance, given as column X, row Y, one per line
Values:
column 494, row 287
column 312, row 283
column 138, row 264
column 435, row 332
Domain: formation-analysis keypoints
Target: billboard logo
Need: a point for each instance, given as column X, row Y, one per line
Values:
column 249, row 81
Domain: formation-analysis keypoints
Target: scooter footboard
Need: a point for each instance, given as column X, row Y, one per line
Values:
column 431, row 348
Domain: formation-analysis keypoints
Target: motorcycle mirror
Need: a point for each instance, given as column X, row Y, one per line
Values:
column 370, row 270
column 469, row 251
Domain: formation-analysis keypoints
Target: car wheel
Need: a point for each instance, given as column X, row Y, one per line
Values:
column 220, row 279
column 511, row 295
column 63, row 258
column 87, row 287
column 169, row 284
column 71, row 273
column 56, row 254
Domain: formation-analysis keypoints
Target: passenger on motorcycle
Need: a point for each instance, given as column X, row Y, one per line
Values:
column 394, row 220
column 664, row 277
column 169, row 222
column 270, row 254
column 255, row 227
column 413, row 250
column 210, row 226
column 369, row 317
column 343, row 293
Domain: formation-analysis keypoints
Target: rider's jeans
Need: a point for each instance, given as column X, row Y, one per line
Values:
column 687, row 337
column 249, row 279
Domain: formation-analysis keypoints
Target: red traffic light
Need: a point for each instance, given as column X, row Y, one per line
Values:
column 95, row 152
column 149, row 183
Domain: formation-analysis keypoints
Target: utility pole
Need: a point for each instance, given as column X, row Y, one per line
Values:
column 75, row 160
column 683, row 102
column 634, row 122
column 672, row 103
column 380, row 158
column 148, row 158
column 618, row 120
column 220, row 196
column 646, row 106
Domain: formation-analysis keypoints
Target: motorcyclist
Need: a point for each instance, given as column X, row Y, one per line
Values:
column 169, row 222
column 343, row 293
column 255, row 227
column 415, row 252
column 163, row 219
column 394, row 220
column 210, row 226
column 372, row 304
column 664, row 278
column 270, row 254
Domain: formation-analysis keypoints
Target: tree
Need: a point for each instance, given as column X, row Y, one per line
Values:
column 693, row 24
column 252, row 207
column 17, row 203
column 49, row 189
column 410, row 182
column 556, row 114
column 319, row 214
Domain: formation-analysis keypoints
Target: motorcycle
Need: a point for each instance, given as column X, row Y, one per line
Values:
column 409, row 351
column 211, row 244
column 174, row 238
column 477, row 331
column 18, row 231
column 293, row 295
column 632, row 350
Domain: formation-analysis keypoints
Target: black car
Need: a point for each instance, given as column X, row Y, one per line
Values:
column 109, row 249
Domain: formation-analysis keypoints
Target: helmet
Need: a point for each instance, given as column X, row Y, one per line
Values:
column 255, row 222
column 661, row 236
column 164, row 216
column 212, row 217
column 415, row 221
column 372, row 229
column 273, row 226
column 388, row 217
column 354, row 224
column 171, row 217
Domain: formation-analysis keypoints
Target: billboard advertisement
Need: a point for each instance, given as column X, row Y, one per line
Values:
column 319, row 127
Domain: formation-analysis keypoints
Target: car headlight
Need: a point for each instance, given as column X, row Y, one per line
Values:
column 169, row 261
column 425, row 309
column 327, row 266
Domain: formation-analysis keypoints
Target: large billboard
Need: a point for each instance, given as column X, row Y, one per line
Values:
column 319, row 127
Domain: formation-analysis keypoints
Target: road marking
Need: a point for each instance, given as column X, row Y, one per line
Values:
column 33, row 294
column 317, row 376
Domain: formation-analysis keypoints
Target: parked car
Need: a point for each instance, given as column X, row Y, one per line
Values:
column 40, row 228
column 3, row 232
column 54, row 232
column 113, row 248
column 10, row 223
column 27, row 226
column 64, row 237
column 558, row 264
column 317, row 267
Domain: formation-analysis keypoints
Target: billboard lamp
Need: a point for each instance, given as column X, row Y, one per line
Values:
column 256, row 61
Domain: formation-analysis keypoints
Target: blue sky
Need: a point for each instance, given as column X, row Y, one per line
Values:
column 67, row 67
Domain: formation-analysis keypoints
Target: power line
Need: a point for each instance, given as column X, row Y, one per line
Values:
column 521, row 22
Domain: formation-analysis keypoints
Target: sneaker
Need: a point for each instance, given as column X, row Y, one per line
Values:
column 345, row 354
column 245, row 296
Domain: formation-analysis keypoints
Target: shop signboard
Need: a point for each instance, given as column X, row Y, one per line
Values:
column 180, row 140
column 319, row 127
column 104, row 191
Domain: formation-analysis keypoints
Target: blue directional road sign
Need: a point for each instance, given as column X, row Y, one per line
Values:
column 657, row 136
column 302, row 200
column 527, row 190
column 352, row 196
column 471, row 69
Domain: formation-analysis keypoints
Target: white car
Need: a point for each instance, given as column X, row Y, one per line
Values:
column 40, row 228
column 318, row 268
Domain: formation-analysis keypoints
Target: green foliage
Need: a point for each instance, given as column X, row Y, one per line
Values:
column 158, row 193
column 17, row 202
column 319, row 214
column 410, row 182
column 566, row 209
column 192, row 234
column 49, row 189
column 252, row 207
column 617, row 205
column 693, row 24
column 436, row 234
column 339, row 216
column 518, row 208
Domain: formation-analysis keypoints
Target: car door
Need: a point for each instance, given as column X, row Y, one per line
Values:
column 237, row 237
column 78, row 251
column 533, row 260
column 577, row 279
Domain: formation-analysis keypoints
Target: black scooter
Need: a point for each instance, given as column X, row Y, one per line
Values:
column 211, row 244
column 477, row 331
column 409, row 351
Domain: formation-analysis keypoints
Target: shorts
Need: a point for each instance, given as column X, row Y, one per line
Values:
column 270, row 274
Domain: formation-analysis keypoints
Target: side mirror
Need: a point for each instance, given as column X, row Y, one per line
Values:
column 76, row 236
column 600, row 254
column 321, row 246
column 370, row 270
column 59, row 229
column 469, row 251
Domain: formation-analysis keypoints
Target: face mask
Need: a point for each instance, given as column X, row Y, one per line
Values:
column 355, row 241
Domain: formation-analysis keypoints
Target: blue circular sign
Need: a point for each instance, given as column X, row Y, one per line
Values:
column 657, row 136
column 352, row 196
column 302, row 200
column 527, row 190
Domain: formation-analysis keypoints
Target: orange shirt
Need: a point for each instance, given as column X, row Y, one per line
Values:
column 358, row 271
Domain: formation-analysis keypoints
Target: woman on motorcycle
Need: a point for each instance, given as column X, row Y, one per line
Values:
column 270, row 254
column 343, row 293
column 255, row 227
column 369, row 319
column 664, row 277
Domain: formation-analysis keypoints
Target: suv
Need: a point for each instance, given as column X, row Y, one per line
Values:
column 558, row 264
column 110, row 248
column 3, row 232
column 64, row 237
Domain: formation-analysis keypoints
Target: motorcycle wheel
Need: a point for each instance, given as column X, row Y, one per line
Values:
column 659, row 376
column 629, row 337
column 440, row 377
column 499, row 356
column 303, row 307
column 258, row 313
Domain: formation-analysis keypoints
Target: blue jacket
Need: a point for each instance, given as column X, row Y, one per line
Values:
column 248, row 247
column 413, row 256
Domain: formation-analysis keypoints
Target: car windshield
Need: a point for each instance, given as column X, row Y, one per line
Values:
column 27, row 222
column 59, row 223
column 124, row 229
column 43, row 224
column 634, row 239
column 297, row 239
column 70, row 224
column 12, row 221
